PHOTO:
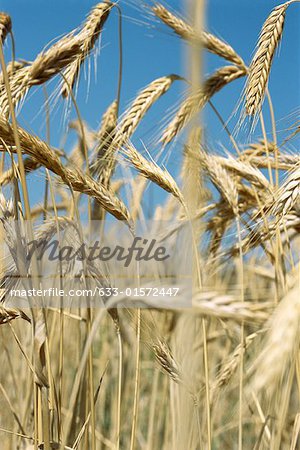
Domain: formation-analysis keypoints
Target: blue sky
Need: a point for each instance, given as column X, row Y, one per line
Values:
column 151, row 51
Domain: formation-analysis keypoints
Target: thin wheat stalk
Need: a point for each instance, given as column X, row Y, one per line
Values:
column 207, row 40
column 88, row 37
column 260, row 67
column 5, row 26
column 73, row 177
column 196, row 101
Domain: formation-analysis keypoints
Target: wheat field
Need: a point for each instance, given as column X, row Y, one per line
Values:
column 221, row 368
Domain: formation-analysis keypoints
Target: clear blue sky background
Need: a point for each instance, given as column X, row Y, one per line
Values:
column 151, row 51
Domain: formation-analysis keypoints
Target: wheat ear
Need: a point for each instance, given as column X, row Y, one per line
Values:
column 166, row 361
column 196, row 101
column 152, row 171
column 221, row 179
column 260, row 67
column 87, row 36
column 11, row 68
column 288, row 194
column 5, row 26
column 30, row 164
column 8, row 314
column 44, row 67
column 134, row 114
column 282, row 342
column 73, row 177
column 207, row 40
column 140, row 106
column 103, row 162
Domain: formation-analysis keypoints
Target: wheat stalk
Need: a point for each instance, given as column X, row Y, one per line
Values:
column 207, row 40
column 134, row 114
column 30, row 164
column 196, row 101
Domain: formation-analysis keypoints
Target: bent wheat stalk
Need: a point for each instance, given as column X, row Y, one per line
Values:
column 196, row 101
column 207, row 40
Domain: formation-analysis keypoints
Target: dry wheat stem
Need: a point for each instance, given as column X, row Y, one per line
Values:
column 196, row 101
column 260, row 67
column 88, row 37
column 207, row 40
